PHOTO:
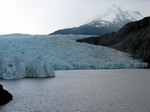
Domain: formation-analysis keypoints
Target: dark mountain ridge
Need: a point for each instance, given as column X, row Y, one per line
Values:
column 133, row 38
column 112, row 20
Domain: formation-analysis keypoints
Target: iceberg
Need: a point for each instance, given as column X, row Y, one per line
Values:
column 38, row 67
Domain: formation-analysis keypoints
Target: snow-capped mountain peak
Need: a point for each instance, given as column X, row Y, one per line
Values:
column 111, row 13
column 116, row 16
column 111, row 21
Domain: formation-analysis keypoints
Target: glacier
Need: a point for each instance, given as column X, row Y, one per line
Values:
column 15, row 69
column 23, row 55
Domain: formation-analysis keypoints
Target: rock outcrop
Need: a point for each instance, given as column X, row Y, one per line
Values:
column 5, row 96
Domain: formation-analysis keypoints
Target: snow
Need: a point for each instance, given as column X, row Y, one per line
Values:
column 111, row 14
column 97, row 26
column 82, row 91
column 115, row 15
column 133, row 15
column 37, row 56
column 114, row 12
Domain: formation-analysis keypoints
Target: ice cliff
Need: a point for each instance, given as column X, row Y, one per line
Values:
column 36, row 67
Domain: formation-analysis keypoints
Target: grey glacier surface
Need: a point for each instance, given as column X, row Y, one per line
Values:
column 82, row 91
column 62, row 52
column 37, row 55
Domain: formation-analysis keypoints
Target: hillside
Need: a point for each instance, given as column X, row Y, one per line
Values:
column 133, row 38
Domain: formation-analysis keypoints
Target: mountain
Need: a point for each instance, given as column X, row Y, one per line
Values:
column 133, row 38
column 112, row 20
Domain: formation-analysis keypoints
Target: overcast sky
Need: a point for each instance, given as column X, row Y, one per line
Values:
column 46, row 16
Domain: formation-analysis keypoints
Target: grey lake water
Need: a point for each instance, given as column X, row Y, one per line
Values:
column 81, row 91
